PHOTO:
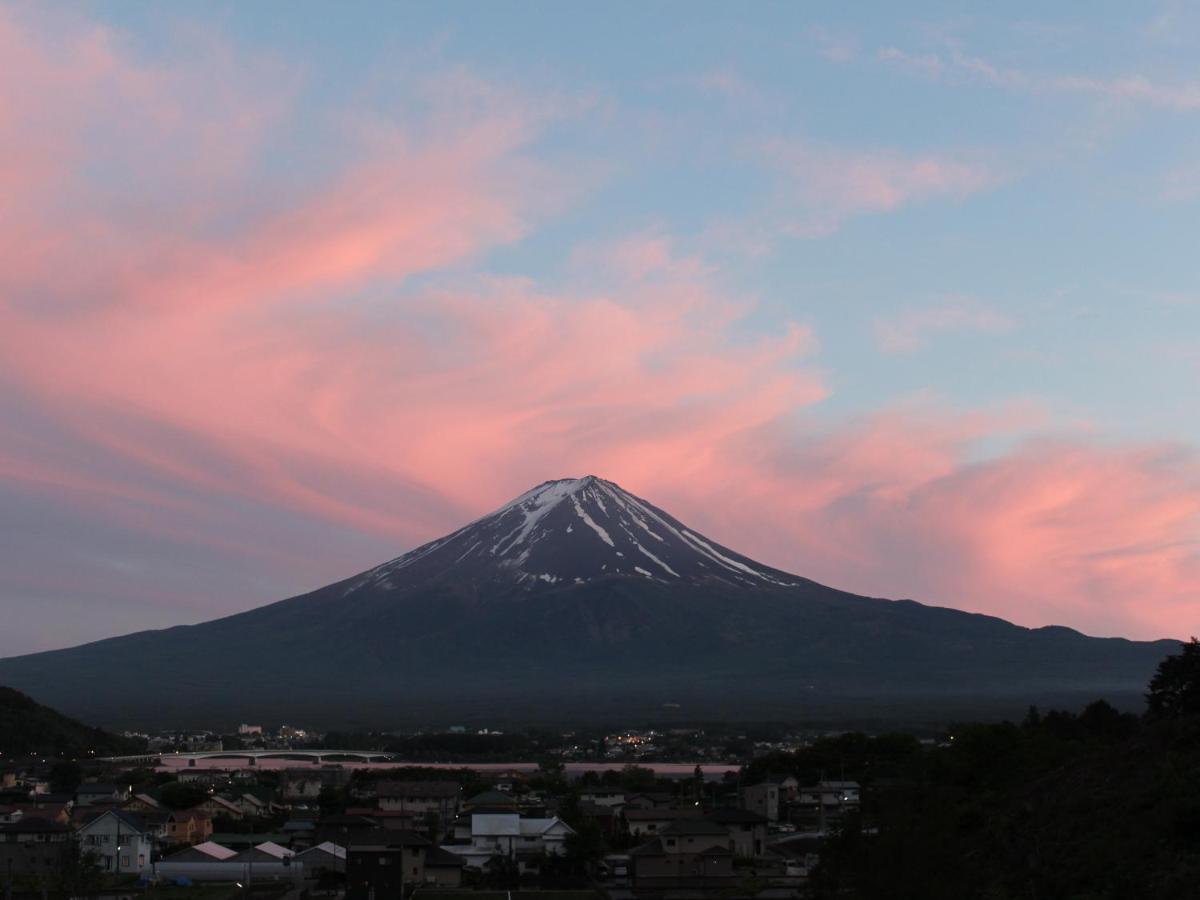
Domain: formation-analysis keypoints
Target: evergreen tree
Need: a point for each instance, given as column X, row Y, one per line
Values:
column 1175, row 688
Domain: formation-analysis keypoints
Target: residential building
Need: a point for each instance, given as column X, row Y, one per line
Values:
column 141, row 803
column 440, row 799
column 121, row 841
column 34, row 847
column 326, row 857
column 220, row 806
column 189, row 826
column 689, row 855
column 346, row 829
column 650, row 800
column 99, row 793
column 747, row 830
column 821, row 804
column 604, row 796
column 266, row 852
column 507, row 834
column 649, row 822
column 762, row 799
column 381, row 870
column 443, row 868
column 490, row 800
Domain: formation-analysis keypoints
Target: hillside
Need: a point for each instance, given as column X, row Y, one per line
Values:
column 579, row 600
column 29, row 729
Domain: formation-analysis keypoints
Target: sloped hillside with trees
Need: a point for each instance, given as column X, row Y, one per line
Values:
column 29, row 729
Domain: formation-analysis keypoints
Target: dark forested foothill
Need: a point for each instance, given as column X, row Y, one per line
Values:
column 1095, row 805
column 29, row 729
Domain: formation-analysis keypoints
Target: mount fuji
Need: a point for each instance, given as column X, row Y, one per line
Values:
column 578, row 601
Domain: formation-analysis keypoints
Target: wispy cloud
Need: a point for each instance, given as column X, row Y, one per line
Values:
column 956, row 65
column 823, row 187
column 835, row 46
column 913, row 329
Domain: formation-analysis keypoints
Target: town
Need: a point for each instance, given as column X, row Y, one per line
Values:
column 279, row 810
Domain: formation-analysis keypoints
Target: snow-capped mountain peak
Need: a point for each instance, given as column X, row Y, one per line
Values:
column 574, row 530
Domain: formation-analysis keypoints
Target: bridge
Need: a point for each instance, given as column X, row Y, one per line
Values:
column 316, row 757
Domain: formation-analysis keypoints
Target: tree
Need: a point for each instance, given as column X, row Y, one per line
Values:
column 178, row 795
column 1175, row 687
column 65, row 777
column 331, row 801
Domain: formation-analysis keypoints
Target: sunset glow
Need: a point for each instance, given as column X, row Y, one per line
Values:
column 272, row 314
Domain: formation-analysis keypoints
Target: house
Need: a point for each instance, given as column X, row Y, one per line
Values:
column 507, row 834
column 141, row 803
column 120, row 840
column 220, row 806
column 606, row 818
column 747, row 830
column 251, row 805
column 443, row 868
column 691, row 855
column 649, row 800
column 212, row 861
column 440, row 799
column 204, row 852
column 99, row 793
column 604, row 796
column 789, row 786
column 324, row 858
column 490, row 800
column 825, row 802
column 762, row 799
column 189, row 826
column 305, row 785
column 649, row 822
column 384, row 869
column 55, row 812
column 831, row 793
column 34, row 847
column 345, row 830
column 266, row 852
column 392, row 819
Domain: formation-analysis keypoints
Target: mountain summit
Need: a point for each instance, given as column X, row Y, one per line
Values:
column 576, row 530
column 578, row 600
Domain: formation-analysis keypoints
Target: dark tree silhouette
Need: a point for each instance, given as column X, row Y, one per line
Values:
column 1175, row 687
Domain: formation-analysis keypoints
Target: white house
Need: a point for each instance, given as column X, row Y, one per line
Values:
column 120, row 840
column 507, row 834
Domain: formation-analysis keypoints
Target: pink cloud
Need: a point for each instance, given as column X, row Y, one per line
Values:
column 217, row 356
column 1106, row 538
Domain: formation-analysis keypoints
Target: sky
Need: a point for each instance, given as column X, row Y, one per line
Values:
column 904, row 298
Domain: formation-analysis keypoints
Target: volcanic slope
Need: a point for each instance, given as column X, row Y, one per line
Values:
column 579, row 601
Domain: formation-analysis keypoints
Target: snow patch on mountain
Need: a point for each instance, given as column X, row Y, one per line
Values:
column 535, row 540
